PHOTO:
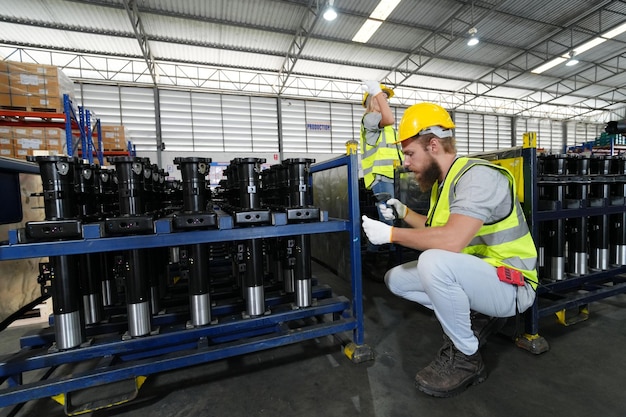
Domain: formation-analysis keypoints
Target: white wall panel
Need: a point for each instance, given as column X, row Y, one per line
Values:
column 237, row 123
column 264, row 117
column 138, row 116
column 207, row 122
column 294, row 127
column 343, row 128
column 176, row 122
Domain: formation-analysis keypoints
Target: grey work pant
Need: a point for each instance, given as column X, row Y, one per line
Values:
column 451, row 284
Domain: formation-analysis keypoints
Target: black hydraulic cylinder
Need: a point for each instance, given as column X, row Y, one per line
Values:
column 68, row 325
column 576, row 235
column 130, row 177
column 198, row 264
column 298, row 176
column 137, row 292
column 91, row 276
column 303, row 270
column 248, row 182
column 193, row 172
column 85, row 188
column 57, row 177
column 253, row 277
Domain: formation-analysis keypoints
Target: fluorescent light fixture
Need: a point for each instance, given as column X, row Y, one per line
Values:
column 588, row 45
column 384, row 9
column 367, row 30
column 380, row 13
column 580, row 49
column 550, row 64
column 614, row 32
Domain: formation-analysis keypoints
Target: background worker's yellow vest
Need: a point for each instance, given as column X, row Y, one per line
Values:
column 380, row 159
column 507, row 242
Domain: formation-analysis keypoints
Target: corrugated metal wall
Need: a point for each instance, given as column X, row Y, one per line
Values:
column 196, row 122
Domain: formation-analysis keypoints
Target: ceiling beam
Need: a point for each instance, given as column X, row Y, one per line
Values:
column 142, row 38
column 307, row 23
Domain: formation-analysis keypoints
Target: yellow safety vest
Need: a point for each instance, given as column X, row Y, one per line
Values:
column 507, row 242
column 380, row 159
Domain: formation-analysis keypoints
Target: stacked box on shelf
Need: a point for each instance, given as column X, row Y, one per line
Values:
column 6, row 142
column 20, row 142
column 26, row 140
column 114, row 138
column 33, row 87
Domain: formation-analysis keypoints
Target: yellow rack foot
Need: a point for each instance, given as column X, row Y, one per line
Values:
column 565, row 320
column 98, row 397
column 358, row 354
column 533, row 343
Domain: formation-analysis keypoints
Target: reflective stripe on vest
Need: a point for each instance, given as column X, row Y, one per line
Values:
column 507, row 242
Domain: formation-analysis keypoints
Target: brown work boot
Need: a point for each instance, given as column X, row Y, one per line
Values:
column 451, row 372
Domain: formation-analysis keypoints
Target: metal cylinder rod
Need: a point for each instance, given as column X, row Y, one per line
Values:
column 576, row 235
column 198, row 263
column 91, row 277
column 137, row 293
column 68, row 326
column 253, row 278
column 555, row 256
column 303, row 270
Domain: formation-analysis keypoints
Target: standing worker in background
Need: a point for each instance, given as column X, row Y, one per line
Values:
column 379, row 156
column 478, row 254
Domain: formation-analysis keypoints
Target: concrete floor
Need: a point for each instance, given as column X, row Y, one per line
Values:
column 581, row 375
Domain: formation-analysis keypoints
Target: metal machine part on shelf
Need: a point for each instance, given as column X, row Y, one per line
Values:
column 617, row 221
column 61, row 209
column 552, row 235
column 593, row 242
column 244, row 204
column 243, row 317
column 133, row 220
column 286, row 188
column 196, row 214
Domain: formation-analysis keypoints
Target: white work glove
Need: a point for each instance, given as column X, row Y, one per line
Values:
column 400, row 209
column 371, row 87
column 377, row 232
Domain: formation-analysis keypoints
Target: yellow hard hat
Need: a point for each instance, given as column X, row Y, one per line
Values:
column 423, row 118
column 383, row 87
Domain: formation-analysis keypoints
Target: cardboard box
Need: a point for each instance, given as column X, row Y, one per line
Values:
column 34, row 87
column 6, row 132
column 8, row 153
column 6, row 147
column 27, row 143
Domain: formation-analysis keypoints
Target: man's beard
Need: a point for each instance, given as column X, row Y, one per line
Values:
column 431, row 174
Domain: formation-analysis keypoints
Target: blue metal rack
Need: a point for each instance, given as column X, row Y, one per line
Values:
column 573, row 292
column 176, row 346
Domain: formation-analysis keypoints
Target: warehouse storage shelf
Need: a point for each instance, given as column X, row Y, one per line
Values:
column 574, row 291
column 75, row 126
column 174, row 344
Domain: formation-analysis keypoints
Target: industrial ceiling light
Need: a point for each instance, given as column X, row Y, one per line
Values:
column 473, row 40
column 376, row 18
column 330, row 14
column 582, row 48
column 572, row 59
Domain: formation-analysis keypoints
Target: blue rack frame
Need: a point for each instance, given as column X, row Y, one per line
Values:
column 558, row 296
column 181, row 346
